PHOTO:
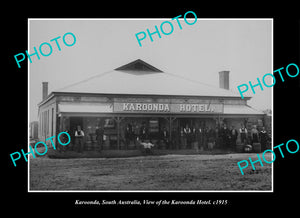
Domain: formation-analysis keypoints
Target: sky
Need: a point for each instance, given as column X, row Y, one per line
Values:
column 198, row 52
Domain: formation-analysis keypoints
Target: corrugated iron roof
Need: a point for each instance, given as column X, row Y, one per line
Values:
column 140, row 78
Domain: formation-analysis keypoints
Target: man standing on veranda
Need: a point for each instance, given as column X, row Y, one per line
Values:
column 79, row 134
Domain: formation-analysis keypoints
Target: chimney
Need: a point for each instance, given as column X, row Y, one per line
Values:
column 224, row 79
column 45, row 90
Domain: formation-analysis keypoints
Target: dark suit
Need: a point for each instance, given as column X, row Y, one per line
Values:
column 199, row 137
column 164, row 136
column 143, row 133
column 233, row 137
column 263, row 139
column 175, row 138
column 128, row 135
column 225, row 135
column 188, row 137
column 99, row 137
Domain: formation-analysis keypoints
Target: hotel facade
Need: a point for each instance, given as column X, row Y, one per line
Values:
column 138, row 94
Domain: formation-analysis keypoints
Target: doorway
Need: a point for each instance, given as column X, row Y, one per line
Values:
column 76, row 121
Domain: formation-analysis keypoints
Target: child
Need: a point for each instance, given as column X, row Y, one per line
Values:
column 147, row 147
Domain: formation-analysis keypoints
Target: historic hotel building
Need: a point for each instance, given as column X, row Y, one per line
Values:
column 140, row 94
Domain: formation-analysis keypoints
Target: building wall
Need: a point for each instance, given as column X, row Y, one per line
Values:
column 47, row 120
column 158, row 99
column 33, row 130
column 82, row 98
column 51, row 122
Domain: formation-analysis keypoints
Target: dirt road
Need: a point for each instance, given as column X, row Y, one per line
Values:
column 167, row 172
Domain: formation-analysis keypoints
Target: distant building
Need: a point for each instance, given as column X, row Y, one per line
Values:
column 136, row 95
column 33, row 130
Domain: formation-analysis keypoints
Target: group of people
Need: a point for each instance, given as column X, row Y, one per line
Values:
column 138, row 135
column 220, row 137
column 199, row 137
column 78, row 142
column 184, row 138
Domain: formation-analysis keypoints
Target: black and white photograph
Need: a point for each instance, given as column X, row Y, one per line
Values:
column 142, row 106
column 150, row 105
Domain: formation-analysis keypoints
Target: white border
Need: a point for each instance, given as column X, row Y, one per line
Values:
column 146, row 191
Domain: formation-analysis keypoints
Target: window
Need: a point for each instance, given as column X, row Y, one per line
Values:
column 48, row 122
column 40, row 123
column 109, row 123
column 44, row 121
column 52, row 117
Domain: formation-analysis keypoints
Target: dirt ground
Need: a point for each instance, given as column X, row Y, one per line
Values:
column 167, row 172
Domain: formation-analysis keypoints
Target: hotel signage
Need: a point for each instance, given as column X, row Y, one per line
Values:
column 167, row 108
